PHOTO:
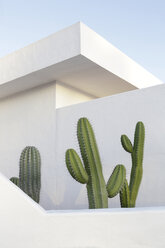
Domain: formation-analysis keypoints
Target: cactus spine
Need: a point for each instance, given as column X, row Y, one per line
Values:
column 136, row 152
column 92, row 174
column 29, row 173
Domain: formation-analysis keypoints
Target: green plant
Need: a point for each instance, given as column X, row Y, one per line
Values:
column 91, row 173
column 136, row 151
column 128, row 194
column 29, row 173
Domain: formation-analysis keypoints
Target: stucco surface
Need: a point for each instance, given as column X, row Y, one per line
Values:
column 30, row 118
column 111, row 117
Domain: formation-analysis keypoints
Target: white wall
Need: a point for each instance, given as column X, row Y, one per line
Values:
column 25, row 224
column 28, row 118
column 67, row 95
column 111, row 117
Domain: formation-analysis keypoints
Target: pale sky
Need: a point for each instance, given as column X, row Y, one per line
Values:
column 136, row 27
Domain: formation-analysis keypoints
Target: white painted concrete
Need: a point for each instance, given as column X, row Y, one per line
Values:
column 111, row 117
column 66, row 95
column 97, row 49
column 25, row 224
column 28, row 118
column 51, row 50
column 76, row 56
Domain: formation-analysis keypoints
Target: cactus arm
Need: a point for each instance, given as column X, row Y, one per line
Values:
column 97, row 194
column 125, row 196
column 15, row 180
column 116, row 181
column 126, row 143
column 75, row 166
column 137, row 160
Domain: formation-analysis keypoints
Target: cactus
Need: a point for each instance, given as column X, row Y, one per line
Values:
column 136, row 152
column 92, row 174
column 128, row 194
column 29, row 173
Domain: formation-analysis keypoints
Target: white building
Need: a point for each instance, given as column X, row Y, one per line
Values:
column 40, row 86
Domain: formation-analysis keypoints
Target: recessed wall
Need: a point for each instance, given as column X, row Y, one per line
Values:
column 67, row 95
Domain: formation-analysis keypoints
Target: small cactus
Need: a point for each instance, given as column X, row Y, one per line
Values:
column 29, row 173
column 116, row 180
column 136, row 152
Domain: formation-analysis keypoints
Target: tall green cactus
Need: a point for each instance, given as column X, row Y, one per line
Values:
column 92, row 174
column 136, row 151
column 29, row 173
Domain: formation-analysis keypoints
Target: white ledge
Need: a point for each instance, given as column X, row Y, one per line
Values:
column 108, row 211
column 76, row 56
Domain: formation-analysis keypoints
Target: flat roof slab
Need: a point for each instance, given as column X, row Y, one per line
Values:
column 78, row 57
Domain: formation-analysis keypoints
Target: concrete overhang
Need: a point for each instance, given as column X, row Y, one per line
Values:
column 76, row 56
